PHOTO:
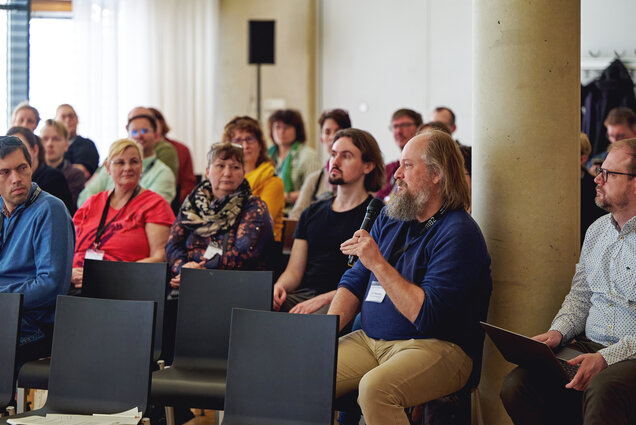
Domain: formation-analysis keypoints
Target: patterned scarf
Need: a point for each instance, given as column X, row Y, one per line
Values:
column 207, row 216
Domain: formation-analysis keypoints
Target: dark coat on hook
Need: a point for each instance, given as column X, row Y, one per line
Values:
column 612, row 89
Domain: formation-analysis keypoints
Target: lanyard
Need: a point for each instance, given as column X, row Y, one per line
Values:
column 315, row 192
column 102, row 226
column 31, row 200
column 148, row 168
column 402, row 236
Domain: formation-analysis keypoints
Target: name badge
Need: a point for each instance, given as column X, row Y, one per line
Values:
column 94, row 254
column 211, row 251
column 376, row 293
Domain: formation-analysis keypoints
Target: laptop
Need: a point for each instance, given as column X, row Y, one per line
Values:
column 531, row 354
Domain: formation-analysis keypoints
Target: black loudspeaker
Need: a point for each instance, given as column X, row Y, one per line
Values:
column 261, row 42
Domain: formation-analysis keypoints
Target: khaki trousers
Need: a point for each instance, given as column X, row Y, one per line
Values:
column 392, row 375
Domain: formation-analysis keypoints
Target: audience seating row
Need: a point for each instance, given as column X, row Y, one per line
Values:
column 99, row 362
column 197, row 377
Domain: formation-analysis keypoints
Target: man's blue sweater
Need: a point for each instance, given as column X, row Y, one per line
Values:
column 36, row 255
column 450, row 262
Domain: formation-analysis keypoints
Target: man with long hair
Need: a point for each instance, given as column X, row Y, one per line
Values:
column 422, row 282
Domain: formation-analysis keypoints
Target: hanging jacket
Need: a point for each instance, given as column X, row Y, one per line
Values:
column 613, row 88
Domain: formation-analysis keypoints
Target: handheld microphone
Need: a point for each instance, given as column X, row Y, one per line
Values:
column 373, row 209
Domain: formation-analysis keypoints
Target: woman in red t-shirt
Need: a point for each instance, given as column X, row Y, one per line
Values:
column 127, row 223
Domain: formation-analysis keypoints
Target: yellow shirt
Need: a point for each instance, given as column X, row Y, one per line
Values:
column 270, row 189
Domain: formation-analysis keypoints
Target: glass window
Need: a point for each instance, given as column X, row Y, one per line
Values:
column 14, row 58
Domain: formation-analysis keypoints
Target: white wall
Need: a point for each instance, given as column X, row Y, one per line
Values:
column 290, row 81
column 606, row 31
column 376, row 57
column 608, row 26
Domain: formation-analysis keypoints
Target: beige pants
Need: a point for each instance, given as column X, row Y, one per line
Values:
column 392, row 375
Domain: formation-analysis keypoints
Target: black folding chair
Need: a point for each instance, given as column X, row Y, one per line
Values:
column 10, row 316
column 101, row 356
column 116, row 280
column 196, row 378
column 281, row 368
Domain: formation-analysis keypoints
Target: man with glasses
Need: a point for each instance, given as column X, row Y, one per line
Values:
column 156, row 175
column 164, row 150
column 598, row 317
column 37, row 241
column 404, row 124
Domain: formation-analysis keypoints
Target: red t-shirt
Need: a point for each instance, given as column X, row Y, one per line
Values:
column 125, row 238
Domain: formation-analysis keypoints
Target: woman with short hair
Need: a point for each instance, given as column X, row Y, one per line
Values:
column 293, row 158
column 127, row 223
column 259, row 168
column 221, row 224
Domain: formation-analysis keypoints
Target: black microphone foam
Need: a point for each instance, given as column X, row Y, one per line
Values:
column 373, row 209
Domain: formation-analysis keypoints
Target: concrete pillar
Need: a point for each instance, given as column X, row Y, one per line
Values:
column 525, row 165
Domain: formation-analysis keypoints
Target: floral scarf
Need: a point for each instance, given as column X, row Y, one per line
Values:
column 207, row 216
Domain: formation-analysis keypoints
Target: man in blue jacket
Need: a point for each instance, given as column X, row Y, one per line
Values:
column 422, row 282
column 37, row 241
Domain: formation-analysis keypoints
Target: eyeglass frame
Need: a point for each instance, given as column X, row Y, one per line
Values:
column 250, row 140
column 604, row 173
column 141, row 131
column 401, row 126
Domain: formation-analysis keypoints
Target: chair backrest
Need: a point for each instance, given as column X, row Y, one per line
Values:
column 281, row 367
column 101, row 355
column 10, row 316
column 118, row 280
column 206, row 298
column 478, row 310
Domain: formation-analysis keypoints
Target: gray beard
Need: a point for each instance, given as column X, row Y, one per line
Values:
column 406, row 206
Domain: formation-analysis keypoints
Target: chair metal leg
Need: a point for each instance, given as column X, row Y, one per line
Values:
column 169, row 415
column 477, row 417
column 21, row 400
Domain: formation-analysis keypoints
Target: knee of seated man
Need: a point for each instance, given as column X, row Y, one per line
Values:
column 375, row 386
column 603, row 386
column 512, row 383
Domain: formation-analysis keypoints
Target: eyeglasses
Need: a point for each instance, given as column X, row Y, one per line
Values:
column 143, row 132
column 605, row 173
column 394, row 127
column 249, row 140
column 615, row 137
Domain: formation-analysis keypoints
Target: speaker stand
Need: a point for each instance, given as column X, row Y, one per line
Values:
column 258, row 92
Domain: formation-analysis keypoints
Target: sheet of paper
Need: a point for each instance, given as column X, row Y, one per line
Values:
column 29, row 420
column 129, row 417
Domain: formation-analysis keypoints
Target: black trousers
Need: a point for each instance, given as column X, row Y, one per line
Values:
column 532, row 397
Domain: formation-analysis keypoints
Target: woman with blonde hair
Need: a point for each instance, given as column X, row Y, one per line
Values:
column 127, row 223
